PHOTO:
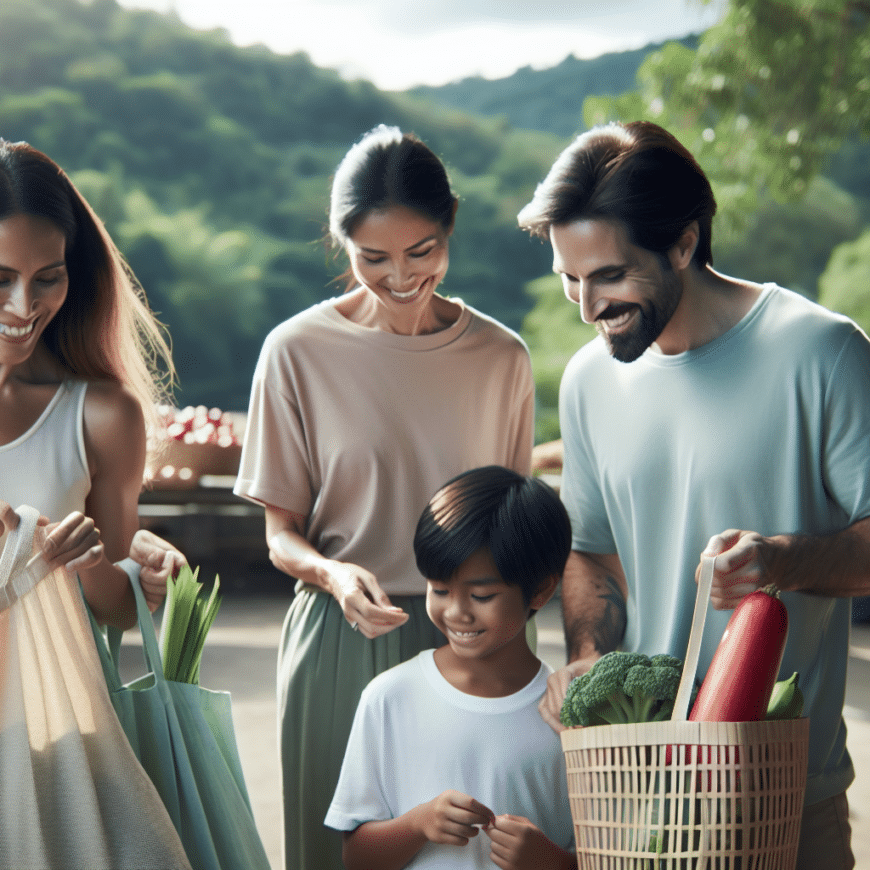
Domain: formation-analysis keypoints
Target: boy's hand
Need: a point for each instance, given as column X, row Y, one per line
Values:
column 517, row 844
column 451, row 817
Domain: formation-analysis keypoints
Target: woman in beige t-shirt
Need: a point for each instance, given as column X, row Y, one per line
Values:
column 361, row 408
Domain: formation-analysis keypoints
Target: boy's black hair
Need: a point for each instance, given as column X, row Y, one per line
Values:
column 520, row 520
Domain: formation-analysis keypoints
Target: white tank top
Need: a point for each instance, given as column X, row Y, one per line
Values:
column 47, row 467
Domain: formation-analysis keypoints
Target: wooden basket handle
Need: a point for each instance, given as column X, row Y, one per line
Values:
column 690, row 665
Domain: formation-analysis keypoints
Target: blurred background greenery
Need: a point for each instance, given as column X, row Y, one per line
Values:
column 210, row 164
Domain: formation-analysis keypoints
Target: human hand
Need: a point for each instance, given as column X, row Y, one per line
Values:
column 364, row 604
column 517, row 844
column 9, row 519
column 450, row 818
column 738, row 571
column 550, row 705
column 73, row 543
column 159, row 561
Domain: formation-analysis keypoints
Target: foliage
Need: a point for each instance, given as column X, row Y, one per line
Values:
column 204, row 281
column 211, row 166
column 549, row 99
column 791, row 243
column 769, row 94
column 845, row 284
column 554, row 332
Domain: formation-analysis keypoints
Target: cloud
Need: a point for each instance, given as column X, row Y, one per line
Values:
column 604, row 16
column 398, row 44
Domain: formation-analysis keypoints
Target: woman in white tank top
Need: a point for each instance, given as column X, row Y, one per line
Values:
column 76, row 386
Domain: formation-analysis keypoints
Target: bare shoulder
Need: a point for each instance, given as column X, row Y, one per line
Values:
column 113, row 421
column 113, row 406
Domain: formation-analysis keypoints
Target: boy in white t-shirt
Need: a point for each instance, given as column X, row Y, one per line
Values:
column 451, row 742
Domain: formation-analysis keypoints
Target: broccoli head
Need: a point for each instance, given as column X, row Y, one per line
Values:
column 652, row 690
column 623, row 687
column 574, row 710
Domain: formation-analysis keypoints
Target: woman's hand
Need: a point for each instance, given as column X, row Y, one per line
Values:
column 73, row 543
column 159, row 561
column 8, row 517
column 517, row 844
column 452, row 818
column 365, row 605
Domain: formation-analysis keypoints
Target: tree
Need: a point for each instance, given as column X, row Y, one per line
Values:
column 791, row 243
column 770, row 92
column 845, row 284
column 554, row 332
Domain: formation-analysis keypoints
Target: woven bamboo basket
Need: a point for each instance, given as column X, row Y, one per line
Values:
column 687, row 795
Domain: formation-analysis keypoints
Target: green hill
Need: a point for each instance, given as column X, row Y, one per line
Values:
column 548, row 99
column 211, row 166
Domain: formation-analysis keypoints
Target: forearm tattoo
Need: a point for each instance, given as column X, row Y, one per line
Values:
column 602, row 622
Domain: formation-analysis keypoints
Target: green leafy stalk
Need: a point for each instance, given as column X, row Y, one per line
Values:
column 188, row 616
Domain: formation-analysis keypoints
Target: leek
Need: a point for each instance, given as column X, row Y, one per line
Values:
column 187, row 617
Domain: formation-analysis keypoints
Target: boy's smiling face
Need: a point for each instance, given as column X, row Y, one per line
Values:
column 480, row 615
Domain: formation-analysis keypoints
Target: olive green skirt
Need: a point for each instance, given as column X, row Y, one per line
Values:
column 323, row 666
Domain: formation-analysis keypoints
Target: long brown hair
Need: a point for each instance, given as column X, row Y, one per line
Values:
column 105, row 329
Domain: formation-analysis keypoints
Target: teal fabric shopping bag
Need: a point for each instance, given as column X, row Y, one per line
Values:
column 184, row 737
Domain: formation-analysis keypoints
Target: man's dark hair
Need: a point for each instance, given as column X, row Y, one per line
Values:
column 636, row 175
column 520, row 520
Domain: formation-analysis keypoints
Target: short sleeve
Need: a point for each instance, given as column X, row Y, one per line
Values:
column 847, row 429
column 524, row 419
column 275, row 466
column 360, row 796
column 580, row 488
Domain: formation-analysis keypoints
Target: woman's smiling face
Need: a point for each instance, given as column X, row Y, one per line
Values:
column 33, row 283
column 400, row 256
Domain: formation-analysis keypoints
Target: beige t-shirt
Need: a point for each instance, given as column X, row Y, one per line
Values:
column 356, row 428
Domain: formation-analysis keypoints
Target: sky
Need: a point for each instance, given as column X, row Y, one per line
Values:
column 398, row 44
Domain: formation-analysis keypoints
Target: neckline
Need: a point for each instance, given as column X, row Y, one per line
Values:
column 531, row 692
column 427, row 341
column 656, row 358
column 39, row 421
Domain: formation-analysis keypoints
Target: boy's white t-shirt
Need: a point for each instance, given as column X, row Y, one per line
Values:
column 415, row 736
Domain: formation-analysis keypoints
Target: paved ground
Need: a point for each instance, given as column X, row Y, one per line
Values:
column 240, row 658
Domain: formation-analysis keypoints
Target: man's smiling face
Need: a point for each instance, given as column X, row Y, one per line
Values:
column 629, row 293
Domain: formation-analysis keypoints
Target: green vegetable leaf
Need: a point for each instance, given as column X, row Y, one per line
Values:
column 188, row 616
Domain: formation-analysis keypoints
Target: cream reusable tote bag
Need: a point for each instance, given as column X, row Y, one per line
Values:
column 73, row 796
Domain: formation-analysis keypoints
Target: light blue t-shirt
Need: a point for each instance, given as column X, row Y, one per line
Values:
column 767, row 429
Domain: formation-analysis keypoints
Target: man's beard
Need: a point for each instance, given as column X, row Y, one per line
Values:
column 652, row 317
